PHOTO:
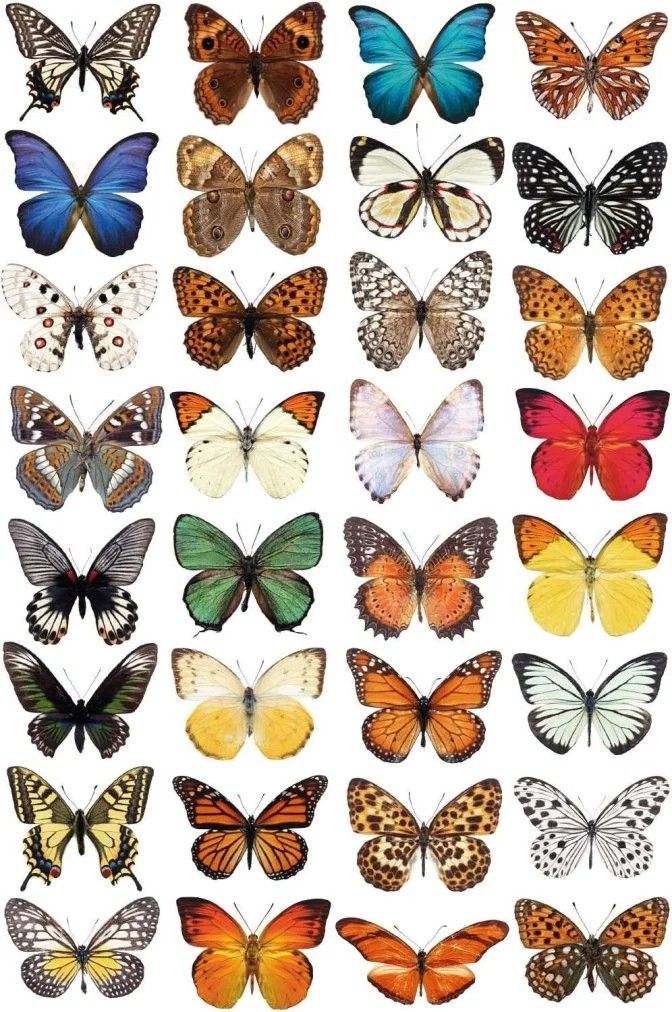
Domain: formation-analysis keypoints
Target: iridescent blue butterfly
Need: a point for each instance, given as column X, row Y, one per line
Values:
column 454, row 90
column 112, row 221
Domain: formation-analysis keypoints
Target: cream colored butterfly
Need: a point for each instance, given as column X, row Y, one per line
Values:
column 228, row 711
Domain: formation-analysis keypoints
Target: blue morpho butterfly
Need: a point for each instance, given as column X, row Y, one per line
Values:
column 112, row 221
column 392, row 90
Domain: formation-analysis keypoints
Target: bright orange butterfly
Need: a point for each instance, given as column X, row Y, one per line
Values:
column 402, row 715
column 230, row 835
column 439, row 973
column 609, row 74
column 441, row 587
column 272, row 958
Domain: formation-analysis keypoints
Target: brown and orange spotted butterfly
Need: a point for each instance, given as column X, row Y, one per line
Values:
column 615, row 955
column 274, row 325
column 462, row 860
column 271, row 199
column 611, row 74
column 403, row 715
column 616, row 330
column 275, row 70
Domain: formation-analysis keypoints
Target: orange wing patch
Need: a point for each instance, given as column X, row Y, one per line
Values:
column 304, row 408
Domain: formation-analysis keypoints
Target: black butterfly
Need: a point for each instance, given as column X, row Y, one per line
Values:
column 46, row 565
column 39, row 691
column 564, row 207
column 38, row 38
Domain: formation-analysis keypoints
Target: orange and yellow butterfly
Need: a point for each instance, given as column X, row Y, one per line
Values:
column 272, row 957
column 609, row 579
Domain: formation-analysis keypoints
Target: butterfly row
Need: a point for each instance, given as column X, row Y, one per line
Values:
column 274, row 199
column 276, row 68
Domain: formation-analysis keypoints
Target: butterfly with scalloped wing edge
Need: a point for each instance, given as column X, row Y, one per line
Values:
column 231, row 835
column 117, row 564
column 563, row 207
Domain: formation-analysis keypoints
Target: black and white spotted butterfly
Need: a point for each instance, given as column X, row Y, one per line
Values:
column 46, row 565
column 57, row 59
column 564, row 207
column 102, row 316
column 616, row 833
column 563, row 709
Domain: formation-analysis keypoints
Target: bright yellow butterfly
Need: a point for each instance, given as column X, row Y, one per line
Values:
column 229, row 711
column 621, row 598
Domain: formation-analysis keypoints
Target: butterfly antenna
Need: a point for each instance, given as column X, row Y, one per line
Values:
column 68, row 798
column 256, row 677
column 412, row 808
column 413, row 551
column 254, row 539
column 101, row 412
column 71, row 683
column 243, row 805
column 264, row 287
column 581, row 408
column 575, row 29
column 431, row 688
column 86, row 40
column 428, row 283
column 438, row 805
column 242, row 413
column 407, row 937
column 583, row 923
column 240, row 538
column 429, row 941
column 242, row 158
column 412, row 283
column 74, row 34
column 579, row 543
column 601, row 42
column 599, row 677
column 581, row 296
column 249, row 42
column 257, row 806
column 606, row 405
column 263, row 918
column 417, row 144
column 90, row 934
column 444, row 152
column 261, row 33
column 72, row 405
column 601, row 927
column 261, row 401
column 242, row 915
column 428, row 550
column 597, row 295
column 604, row 165
column 582, row 173
column 240, row 287
column 601, row 541
column 92, row 682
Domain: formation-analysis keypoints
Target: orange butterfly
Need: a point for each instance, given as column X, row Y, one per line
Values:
column 272, row 958
column 609, row 74
column 230, row 835
column 402, row 715
column 441, row 587
column 462, row 861
column 439, row 973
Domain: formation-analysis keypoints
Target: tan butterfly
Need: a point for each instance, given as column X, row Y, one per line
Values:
column 272, row 199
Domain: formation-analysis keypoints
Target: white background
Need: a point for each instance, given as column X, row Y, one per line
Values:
column 81, row 131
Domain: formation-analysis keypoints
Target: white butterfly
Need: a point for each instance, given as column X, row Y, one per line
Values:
column 616, row 832
column 228, row 711
column 221, row 449
column 400, row 190
column 440, row 449
column 102, row 316
column 563, row 709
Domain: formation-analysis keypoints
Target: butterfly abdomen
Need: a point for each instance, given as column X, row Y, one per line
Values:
column 591, row 952
column 589, row 207
column 82, row 956
column 79, row 829
column 423, row 844
column 80, row 587
column 417, row 446
column 78, row 323
column 82, row 64
column 250, row 834
column 79, row 719
column 249, row 701
column 419, row 589
column 420, row 316
column 421, row 969
column 591, row 830
column 249, row 326
column 248, row 579
column 256, row 67
column 589, row 333
column 423, row 717
column 589, row 704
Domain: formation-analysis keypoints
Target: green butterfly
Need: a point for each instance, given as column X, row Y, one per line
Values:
column 229, row 577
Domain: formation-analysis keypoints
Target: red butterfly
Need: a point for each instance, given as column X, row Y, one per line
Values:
column 571, row 449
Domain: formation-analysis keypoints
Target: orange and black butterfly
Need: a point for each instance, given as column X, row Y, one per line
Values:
column 403, row 715
column 615, row 956
column 231, row 835
column 441, row 587
column 439, row 973
column 451, row 837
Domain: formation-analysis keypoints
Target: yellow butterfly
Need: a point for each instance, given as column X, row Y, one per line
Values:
column 230, row 711
column 620, row 597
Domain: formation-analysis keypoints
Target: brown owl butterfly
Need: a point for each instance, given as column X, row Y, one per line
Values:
column 274, row 324
column 275, row 70
column 272, row 199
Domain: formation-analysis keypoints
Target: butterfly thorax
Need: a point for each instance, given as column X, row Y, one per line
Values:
column 82, row 65
column 247, row 576
column 423, row 718
column 250, row 320
column 420, row 316
column 79, row 829
column 246, row 442
column 589, row 333
column 256, row 68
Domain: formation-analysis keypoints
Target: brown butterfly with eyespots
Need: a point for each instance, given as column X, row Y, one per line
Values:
column 275, row 70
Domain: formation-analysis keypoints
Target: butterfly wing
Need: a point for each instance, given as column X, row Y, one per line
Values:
column 555, row 971
column 391, row 732
column 119, row 476
column 619, row 717
column 120, row 805
column 117, row 565
column 121, row 691
column 280, row 851
column 216, row 455
column 620, row 87
column 446, row 977
column 217, row 852
column 220, row 973
column 619, row 828
column 621, row 221
column 392, row 90
column 392, row 205
column 38, row 38
column 561, row 462
column 565, row 834
column 626, row 971
column 281, row 333
column 218, row 726
column 455, row 335
column 623, row 341
column 558, row 212
column 213, row 339
column 284, row 974
column 277, row 456
column 555, row 598
column 623, row 599
column 216, row 217
column 281, row 725
column 444, row 456
column 623, row 466
column 214, row 594
column 384, row 861
column 285, row 598
column 289, row 88
column 462, row 860
column 455, row 732
column 458, row 211
column 32, row 297
column 126, row 297
column 45, row 565
column 387, row 335
column 388, row 599
column 285, row 215
column 109, row 959
column 560, row 713
column 561, row 83
column 37, row 802
column 396, row 974
column 388, row 456
column 53, row 965
column 126, row 39
column 40, row 692
column 555, row 343
column 454, row 90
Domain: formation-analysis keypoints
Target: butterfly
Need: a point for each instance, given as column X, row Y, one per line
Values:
column 451, row 838
column 272, row 199
column 231, row 836
column 612, row 450
column 65, row 455
column 220, row 449
column 276, row 325
column 563, row 207
column 270, row 710
column 617, row 330
column 439, row 973
column 39, row 691
column 400, row 190
column 106, row 958
column 440, row 450
column 45, row 565
column 621, row 599
column 615, row 955
column 112, row 221
column 271, row 957
column 32, row 297
column 275, row 69
column 441, row 587
column 38, row 38
column 453, row 89
column 616, row 832
column 611, row 74
column 105, row 823
column 563, row 709
column 398, row 316
column 403, row 715
column 228, row 577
